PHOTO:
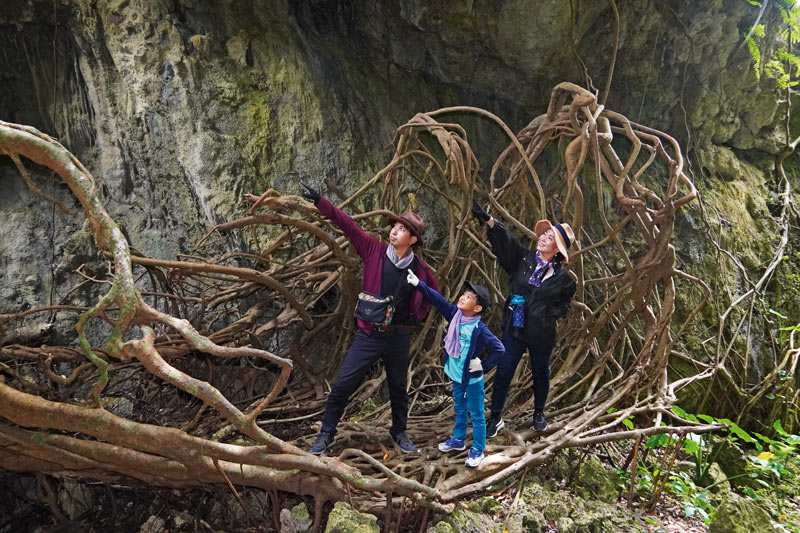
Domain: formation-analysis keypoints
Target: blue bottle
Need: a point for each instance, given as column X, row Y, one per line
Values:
column 518, row 311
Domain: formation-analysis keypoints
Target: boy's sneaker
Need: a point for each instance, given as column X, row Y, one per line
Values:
column 404, row 443
column 321, row 443
column 493, row 426
column 452, row 444
column 474, row 459
column 539, row 421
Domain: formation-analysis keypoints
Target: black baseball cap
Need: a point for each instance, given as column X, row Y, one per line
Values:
column 483, row 293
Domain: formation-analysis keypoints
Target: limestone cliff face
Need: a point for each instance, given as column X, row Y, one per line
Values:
column 180, row 107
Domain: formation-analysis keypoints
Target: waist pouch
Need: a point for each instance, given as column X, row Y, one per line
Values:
column 374, row 309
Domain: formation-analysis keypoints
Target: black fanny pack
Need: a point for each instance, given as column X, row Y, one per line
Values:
column 374, row 309
column 379, row 310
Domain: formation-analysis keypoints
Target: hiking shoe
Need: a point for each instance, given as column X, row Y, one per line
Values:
column 539, row 421
column 321, row 443
column 474, row 459
column 493, row 426
column 405, row 444
column 452, row 444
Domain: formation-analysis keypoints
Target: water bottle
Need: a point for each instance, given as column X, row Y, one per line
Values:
column 518, row 311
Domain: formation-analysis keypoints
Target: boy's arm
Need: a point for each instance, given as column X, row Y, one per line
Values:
column 509, row 251
column 424, row 305
column 361, row 240
column 497, row 350
column 443, row 306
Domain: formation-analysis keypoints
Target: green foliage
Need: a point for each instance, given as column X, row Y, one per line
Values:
column 775, row 69
column 628, row 422
column 644, row 483
column 790, row 14
column 755, row 56
column 782, row 389
column 657, row 441
column 703, row 449
column 782, row 61
column 784, row 56
column 776, row 469
column 694, row 500
column 773, row 467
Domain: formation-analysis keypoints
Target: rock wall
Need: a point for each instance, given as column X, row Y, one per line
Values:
column 180, row 107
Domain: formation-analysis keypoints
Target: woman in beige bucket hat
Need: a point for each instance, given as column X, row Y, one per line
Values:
column 541, row 292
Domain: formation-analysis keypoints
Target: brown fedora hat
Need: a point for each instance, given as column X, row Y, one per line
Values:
column 563, row 233
column 412, row 221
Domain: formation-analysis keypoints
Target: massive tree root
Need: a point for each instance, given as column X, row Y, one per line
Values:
column 175, row 319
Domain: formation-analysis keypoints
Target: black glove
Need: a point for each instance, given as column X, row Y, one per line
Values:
column 479, row 212
column 310, row 193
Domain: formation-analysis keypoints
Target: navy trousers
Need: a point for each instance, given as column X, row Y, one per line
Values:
column 540, row 364
column 367, row 350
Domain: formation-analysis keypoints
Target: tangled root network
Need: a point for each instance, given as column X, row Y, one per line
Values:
column 205, row 323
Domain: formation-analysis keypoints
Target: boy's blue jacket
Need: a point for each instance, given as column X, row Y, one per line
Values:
column 482, row 338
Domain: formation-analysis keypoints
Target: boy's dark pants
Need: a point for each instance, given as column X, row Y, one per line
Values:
column 366, row 350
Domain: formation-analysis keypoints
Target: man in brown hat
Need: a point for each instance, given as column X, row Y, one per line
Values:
column 541, row 292
column 385, row 269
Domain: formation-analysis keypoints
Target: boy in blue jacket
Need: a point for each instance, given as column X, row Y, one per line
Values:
column 467, row 338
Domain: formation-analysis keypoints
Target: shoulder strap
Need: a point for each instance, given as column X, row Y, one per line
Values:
column 402, row 280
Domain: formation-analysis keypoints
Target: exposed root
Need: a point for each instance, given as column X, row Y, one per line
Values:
column 179, row 321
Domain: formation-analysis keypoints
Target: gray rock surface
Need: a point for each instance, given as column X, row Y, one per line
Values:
column 740, row 515
column 179, row 108
column 296, row 520
column 465, row 521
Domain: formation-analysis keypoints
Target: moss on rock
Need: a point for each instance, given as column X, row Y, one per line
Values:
column 466, row 521
column 733, row 461
column 366, row 409
column 345, row 519
column 594, row 481
column 296, row 520
column 486, row 505
column 526, row 519
column 740, row 515
column 562, row 464
column 441, row 527
column 541, row 505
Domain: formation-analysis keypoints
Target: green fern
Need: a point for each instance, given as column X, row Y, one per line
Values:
column 755, row 56
column 774, row 69
column 790, row 15
column 786, row 57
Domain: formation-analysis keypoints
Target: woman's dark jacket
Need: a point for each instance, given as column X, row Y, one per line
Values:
column 544, row 304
